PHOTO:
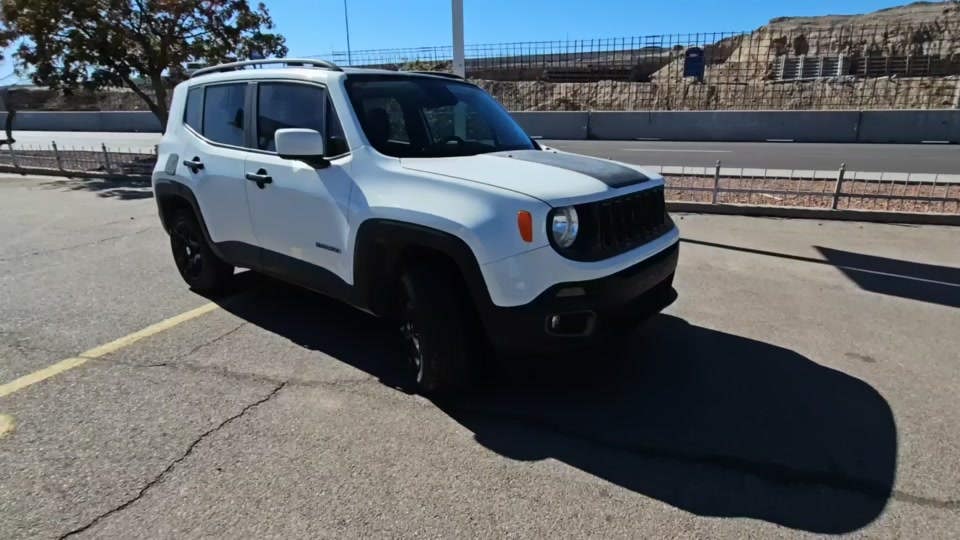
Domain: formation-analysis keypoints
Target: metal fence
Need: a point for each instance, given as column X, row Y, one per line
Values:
column 839, row 190
column 81, row 161
column 782, row 66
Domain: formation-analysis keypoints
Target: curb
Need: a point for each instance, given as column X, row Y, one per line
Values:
column 42, row 171
column 815, row 213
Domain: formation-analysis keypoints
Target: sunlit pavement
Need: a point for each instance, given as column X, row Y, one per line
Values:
column 805, row 381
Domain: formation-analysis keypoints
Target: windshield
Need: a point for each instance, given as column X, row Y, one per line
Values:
column 431, row 117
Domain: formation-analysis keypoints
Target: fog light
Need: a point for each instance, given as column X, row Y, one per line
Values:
column 571, row 324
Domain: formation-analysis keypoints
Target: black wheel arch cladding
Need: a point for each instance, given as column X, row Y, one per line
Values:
column 381, row 243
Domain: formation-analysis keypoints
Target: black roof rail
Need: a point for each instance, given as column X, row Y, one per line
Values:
column 438, row 74
column 288, row 62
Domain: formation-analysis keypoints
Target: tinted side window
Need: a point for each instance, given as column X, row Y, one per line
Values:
column 223, row 113
column 193, row 113
column 284, row 105
column 336, row 140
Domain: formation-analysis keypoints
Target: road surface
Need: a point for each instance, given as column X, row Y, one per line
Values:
column 805, row 382
column 858, row 157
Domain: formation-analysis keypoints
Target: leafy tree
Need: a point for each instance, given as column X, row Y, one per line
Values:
column 95, row 43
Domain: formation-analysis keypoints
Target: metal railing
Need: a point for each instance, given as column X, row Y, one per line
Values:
column 79, row 161
column 782, row 66
column 839, row 190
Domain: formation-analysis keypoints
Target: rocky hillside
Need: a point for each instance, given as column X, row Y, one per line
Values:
column 918, row 29
column 921, row 28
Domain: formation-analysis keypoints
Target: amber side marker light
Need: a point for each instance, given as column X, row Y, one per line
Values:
column 525, row 224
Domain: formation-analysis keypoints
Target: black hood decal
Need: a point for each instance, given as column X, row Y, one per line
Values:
column 611, row 174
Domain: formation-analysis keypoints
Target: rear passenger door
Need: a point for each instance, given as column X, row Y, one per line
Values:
column 300, row 217
column 216, row 118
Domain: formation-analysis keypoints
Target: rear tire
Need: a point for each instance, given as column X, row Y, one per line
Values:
column 199, row 266
column 439, row 328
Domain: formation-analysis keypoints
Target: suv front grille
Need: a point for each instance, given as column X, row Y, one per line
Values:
column 614, row 226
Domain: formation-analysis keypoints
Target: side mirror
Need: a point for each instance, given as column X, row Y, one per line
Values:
column 302, row 144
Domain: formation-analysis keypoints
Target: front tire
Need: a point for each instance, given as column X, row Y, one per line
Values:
column 199, row 266
column 439, row 328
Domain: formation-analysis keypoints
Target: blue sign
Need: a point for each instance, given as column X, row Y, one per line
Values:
column 694, row 63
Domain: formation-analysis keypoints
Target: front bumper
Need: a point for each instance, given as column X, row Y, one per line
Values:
column 579, row 313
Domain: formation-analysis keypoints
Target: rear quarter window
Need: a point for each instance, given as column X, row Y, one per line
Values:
column 193, row 113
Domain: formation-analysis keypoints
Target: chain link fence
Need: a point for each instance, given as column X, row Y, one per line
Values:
column 782, row 66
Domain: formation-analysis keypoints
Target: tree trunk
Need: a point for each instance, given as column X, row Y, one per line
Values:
column 162, row 109
column 157, row 105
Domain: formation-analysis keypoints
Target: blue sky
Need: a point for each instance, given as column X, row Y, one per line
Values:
column 315, row 27
column 378, row 24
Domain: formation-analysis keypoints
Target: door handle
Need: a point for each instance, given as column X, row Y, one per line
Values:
column 260, row 178
column 194, row 165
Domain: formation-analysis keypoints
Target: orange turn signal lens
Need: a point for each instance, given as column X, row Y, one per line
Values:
column 525, row 224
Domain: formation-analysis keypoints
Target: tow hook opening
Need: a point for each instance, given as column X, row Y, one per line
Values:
column 575, row 324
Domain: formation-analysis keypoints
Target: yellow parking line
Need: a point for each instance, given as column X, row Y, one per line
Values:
column 6, row 424
column 153, row 329
column 105, row 349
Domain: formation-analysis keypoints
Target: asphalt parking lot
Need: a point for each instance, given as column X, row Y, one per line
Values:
column 806, row 381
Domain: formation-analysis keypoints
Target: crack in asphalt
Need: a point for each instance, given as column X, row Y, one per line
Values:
column 209, row 342
column 771, row 472
column 926, row 502
column 67, row 248
column 223, row 371
column 253, row 377
column 159, row 478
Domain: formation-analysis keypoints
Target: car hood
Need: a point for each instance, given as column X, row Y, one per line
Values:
column 556, row 178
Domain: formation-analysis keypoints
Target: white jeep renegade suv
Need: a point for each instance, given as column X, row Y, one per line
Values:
column 412, row 196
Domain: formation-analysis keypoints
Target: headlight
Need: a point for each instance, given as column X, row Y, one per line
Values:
column 564, row 226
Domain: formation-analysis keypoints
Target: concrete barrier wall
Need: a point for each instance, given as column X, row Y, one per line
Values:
column 554, row 125
column 801, row 126
column 909, row 126
column 119, row 121
column 806, row 126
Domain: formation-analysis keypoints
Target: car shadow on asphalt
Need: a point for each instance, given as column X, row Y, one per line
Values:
column 705, row 421
column 894, row 277
column 120, row 188
column 881, row 275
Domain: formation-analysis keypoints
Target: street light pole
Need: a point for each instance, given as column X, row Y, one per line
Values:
column 459, row 68
column 346, row 21
column 459, row 65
